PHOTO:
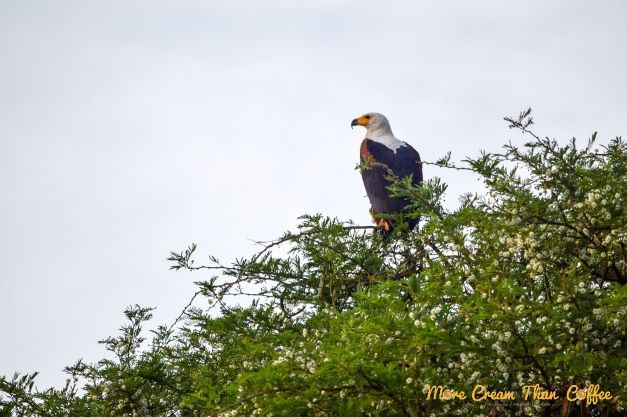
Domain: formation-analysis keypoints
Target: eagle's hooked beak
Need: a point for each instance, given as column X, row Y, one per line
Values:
column 360, row 121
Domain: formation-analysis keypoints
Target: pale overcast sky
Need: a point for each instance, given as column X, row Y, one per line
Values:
column 132, row 128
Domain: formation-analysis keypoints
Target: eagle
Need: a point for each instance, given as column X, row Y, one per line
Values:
column 381, row 154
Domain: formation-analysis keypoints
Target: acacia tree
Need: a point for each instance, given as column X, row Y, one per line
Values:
column 521, row 286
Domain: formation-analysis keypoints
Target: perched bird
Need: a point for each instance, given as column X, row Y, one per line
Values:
column 381, row 154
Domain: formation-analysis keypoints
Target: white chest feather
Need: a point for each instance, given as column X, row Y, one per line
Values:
column 389, row 141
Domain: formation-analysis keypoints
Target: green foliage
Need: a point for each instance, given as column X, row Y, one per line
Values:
column 523, row 285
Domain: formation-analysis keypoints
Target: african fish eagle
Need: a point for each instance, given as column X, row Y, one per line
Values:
column 382, row 153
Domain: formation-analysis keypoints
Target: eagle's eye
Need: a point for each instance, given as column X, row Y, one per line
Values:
column 367, row 116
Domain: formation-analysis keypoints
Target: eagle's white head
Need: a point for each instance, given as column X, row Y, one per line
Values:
column 378, row 129
column 375, row 123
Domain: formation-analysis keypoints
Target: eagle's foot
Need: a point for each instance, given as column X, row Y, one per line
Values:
column 382, row 226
